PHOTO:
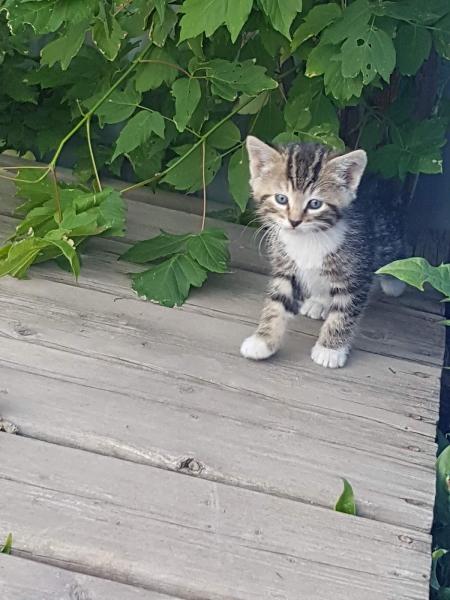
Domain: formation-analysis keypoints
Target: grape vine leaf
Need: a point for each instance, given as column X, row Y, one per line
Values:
column 238, row 178
column 187, row 175
column 118, row 107
column 206, row 16
column 418, row 271
column 316, row 20
column 150, row 76
column 226, row 136
column 408, row 37
column 346, row 501
column 228, row 78
column 441, row 35
column 354, row 22
column 281, row 14
column 64, row 48
column 187, row 93
column 370, row 53
column 107, row 34
column 169, row 282
column 161, row 246
column 210, row 249
column 138, row 129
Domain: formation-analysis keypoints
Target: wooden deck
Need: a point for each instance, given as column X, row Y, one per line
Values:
column 152, row 462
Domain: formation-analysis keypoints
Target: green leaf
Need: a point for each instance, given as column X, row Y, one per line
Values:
column 161, row 246
column 69, row 252
column 436, row 555
column 169, row 282
column 210, row 249
column 150, row 76
column 316, row 20
column 163, row 26
column 442, row 506
column 118, row 107
column 413, row 45
column 238, row 178
column 137, row 130
column 226, row 136
column 206, row 16
column 417, row 149
column 441, row 35
column 111, row 213
column 7, row 546
column 418, row 271
column 281, row 14
column 370, row 53
column 354, row 22
column 65, row 47
column 187, row 175
column 20, row 256
column 228, row 78
column 107, row 35
column 187, row 95
column 346, row 501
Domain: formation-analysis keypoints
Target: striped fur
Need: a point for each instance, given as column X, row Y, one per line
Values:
column 323, row 259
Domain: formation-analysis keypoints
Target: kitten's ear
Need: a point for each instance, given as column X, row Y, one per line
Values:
column 261, row 156
column 349, row 168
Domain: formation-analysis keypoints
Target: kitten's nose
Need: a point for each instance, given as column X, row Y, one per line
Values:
column 294, row 223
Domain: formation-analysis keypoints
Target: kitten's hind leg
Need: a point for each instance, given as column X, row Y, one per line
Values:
column 392, row 286
column 282, row 302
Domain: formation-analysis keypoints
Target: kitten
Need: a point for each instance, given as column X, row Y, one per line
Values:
column 324, row 244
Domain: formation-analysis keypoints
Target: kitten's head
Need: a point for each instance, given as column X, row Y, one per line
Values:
column 303, row 187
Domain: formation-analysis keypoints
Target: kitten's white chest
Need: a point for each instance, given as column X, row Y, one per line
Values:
column 308, row 251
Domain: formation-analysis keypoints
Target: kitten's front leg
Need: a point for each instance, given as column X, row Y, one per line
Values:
column 334, row 343
column 283, row 301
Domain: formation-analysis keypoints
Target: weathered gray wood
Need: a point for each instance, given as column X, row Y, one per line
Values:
column 392, row 329
column 146, row 221
column 181, row 387
column 22, row 579
column 195, row 538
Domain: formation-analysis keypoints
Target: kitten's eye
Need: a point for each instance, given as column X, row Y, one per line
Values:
column 314, row 204
column 281, row 199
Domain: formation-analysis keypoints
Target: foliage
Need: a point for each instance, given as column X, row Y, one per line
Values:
column 7, row 546
column 57, row 218
column 346, row 501
column 177, row 85
column 180, row 262
column 418, row 271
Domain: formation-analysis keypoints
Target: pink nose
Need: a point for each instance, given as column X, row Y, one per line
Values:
column 294, row 223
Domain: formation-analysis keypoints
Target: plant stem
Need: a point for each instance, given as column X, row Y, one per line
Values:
column 99, row 102
column 91, row 153
column 194, row 147
column 204, row 185
column 57, row 196
column 167, row 64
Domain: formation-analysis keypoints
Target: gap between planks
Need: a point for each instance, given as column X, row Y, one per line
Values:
column 264, row 418
column 192, row 538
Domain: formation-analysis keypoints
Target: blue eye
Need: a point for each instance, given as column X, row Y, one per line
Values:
column 314, row 204
column 281, row 199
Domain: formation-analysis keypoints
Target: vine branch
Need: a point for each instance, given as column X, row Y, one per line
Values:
column 91, row 154
column 204, row 185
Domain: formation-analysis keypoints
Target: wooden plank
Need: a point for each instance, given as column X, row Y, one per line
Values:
column 196, row 538
column 146, row 221
column 22, row 579
column 388, row 329
column 183, row 202
column 145, row 383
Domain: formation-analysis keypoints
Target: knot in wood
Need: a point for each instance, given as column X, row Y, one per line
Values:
column 190, row 465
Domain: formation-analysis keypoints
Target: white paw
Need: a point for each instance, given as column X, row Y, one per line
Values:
column 314, row 309
column 327, row 357
column 392, row 287
column 256, row 348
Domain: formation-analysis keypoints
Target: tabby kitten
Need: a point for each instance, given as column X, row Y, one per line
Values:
column 324, row 244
